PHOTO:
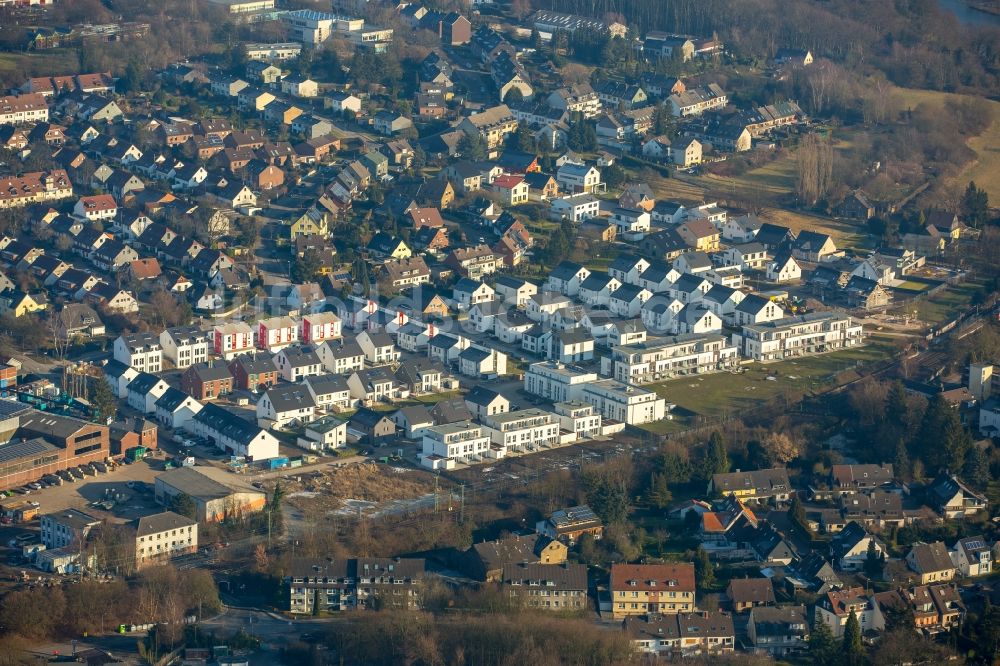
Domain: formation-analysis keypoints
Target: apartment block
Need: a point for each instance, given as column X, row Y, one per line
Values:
column 802, row 335
column 665, row 357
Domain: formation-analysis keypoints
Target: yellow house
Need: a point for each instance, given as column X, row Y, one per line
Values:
column 644, row 589
column 21, row 304
column 312, row 222
column 489, row 557
column 700, row 234
column 385, row 245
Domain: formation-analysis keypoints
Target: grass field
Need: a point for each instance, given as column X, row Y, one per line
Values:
column 944, row 305
column 719, row 394
column 845, row 235
column 986, row 169
column 15, row 68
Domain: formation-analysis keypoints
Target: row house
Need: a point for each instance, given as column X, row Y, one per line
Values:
column 232, row 339
column 682, row 634
column 35, row 187
column 277, row 333
column 141, row 351
column 23, row 109
column 253, row 373
column 185, row 346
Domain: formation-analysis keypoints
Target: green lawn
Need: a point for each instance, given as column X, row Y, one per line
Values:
column 723, row 393
column 944, row 305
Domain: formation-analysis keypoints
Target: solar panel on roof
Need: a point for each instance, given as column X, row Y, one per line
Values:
column 11, row 407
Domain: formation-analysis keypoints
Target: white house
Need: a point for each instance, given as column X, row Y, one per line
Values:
column 143, row 392
column 175, row 408
column 185, row 346
column 756, row 309
column 141, row 351
column 284, row 405
column 575, row 207
column 784, row 268
column 628, row 268
column 232, row 339
column 972, row 556
column 328, row 432
column 515, row 291
column 319, row 327
column 295, row 363
column 467, row 292
column 578, row 178
column 379, row 348
column 565, row 278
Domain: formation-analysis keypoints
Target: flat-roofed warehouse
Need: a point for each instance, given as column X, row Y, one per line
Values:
column 33, row 443
column 216, row 492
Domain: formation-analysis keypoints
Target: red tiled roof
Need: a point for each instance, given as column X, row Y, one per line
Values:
column 653, row 577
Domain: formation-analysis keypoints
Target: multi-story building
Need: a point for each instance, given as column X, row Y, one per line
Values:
column 649, row 589
column 802, row 335
column 448, row 444
column 276, row 51
column 556, row 381
column 309, row 26
column 69, row 527
column 580, row 418
column 523, row 430
column 232, row 339
column 185, row 346
column 336, row 585
column 624, row 403
column 141, row 351
column 659, row 358
column 494, row 125
column 555, row 587
column 162, row 536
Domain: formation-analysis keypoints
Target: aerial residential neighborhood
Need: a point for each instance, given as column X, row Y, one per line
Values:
column 498, row 332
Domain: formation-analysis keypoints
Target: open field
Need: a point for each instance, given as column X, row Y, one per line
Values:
column 844, row 234
column 675, row 190
column 15, row 68
column 722, row 393
column 986, row 169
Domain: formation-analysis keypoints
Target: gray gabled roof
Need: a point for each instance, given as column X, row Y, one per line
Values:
column 286, row 397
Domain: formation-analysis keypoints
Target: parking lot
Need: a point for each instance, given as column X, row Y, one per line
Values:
column 81, row 493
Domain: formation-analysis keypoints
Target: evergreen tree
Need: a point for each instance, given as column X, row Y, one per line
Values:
column 977, row 467
column 874, row 560
column 659, row 494
column 853, row 649
column 104, row 401
column 715, row 459
column 663, row 121
column 822, row 645
column 704, row 570
column 472, row 147
column 944, row 441
column 675, row 467
column 901, row 460
column 975, row 206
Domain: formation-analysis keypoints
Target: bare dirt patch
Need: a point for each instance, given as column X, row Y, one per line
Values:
column 328, row 490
